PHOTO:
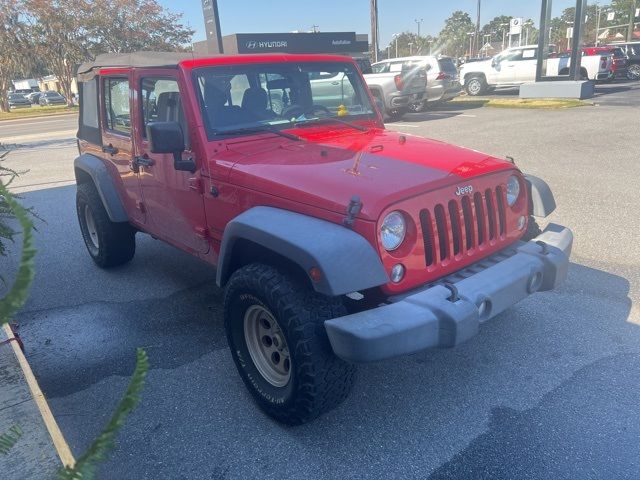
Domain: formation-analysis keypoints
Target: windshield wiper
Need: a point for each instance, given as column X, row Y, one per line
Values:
column 331, row 119
column 258, row 129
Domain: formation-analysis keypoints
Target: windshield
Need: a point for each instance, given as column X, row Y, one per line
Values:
column 238, row 98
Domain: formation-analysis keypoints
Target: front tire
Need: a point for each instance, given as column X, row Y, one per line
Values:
column 109, row 243
column 275, row 330
column 476, row 86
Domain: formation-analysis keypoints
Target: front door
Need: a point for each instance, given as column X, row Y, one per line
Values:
column 173, row 199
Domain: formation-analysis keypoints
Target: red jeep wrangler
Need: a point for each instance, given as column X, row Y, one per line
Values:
column 337, row 241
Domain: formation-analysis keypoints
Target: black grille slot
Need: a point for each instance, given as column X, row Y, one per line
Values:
column 454, row 217
column 427, row 234
column 477, row 201
column 441, row 225
column 488, row 194
column 467, row 213
column 502, row 218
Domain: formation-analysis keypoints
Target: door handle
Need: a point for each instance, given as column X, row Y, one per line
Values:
column 110, row 149
column 144, row 161
column 335, row 83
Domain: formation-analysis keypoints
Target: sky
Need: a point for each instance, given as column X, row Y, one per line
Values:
column 395, row 16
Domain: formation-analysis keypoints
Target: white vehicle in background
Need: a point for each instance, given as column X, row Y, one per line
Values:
column 517, row 65
column 443, row 83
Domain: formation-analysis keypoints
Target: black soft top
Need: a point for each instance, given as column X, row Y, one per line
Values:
column 135, row 59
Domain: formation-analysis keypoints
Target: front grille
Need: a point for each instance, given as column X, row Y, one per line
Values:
column 450, row 230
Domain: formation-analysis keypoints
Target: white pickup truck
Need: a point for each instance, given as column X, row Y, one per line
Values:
column 517, row 65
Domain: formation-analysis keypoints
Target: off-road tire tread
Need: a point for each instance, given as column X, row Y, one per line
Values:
column 324, row 380
column 117, row 239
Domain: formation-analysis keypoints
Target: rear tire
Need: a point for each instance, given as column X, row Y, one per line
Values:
column 476, row 85
column 109, row 243
column 634, row 72
column 275, row 329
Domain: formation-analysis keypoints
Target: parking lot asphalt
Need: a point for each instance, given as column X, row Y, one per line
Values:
column 548, row 389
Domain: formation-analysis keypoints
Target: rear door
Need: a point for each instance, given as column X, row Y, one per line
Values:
column 117, row 144
column 173, row 199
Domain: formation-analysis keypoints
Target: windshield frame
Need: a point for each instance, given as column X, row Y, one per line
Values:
column 217, row 134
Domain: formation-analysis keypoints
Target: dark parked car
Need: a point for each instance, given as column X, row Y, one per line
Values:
column 17, row 100
column 52, row 98
column 34, row 97
column 632, row 50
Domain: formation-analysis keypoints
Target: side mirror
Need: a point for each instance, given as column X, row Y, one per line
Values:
column 494, row 62
column 167, row 137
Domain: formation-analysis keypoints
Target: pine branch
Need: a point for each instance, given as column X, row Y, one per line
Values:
column 16, row 297
column 9, row 439
column 85, row 466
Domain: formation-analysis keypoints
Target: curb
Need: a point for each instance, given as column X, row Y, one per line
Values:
column 42, row 446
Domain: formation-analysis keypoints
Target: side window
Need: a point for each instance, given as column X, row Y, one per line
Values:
column 380, row 68
column 529, row 54
column 513, row 56
column 116, row 99
column 396, row 67
column 161, row 102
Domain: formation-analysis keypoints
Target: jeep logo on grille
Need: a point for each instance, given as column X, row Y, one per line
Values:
column 464, row 190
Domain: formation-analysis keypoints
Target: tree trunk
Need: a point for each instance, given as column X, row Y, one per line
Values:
column 632, row 17
column 4, row 101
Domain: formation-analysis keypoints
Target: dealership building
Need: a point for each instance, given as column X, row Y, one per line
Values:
column 340, row 43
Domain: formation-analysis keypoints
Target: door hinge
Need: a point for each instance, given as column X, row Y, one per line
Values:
column 195, row 184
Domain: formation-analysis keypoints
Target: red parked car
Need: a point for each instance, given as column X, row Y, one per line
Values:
column 336, row 240
column 620, row 65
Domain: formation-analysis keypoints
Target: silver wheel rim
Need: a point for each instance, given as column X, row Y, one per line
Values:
column 474, row 87
column 91, row 226
column 267, row 346
column 634, row 72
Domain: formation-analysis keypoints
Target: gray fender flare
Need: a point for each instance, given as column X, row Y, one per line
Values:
column 346, row 259
column 97, row 170
column 541, row 201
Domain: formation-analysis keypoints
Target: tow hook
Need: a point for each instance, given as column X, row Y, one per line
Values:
column 542, row 244
column 454, row 291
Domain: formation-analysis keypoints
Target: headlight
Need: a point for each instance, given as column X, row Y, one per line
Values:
column 513, row 190
column 392, row 231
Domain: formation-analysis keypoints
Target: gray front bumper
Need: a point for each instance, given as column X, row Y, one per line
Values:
column 436, row 318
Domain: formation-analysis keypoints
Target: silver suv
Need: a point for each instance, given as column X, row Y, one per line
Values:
column 443, row 82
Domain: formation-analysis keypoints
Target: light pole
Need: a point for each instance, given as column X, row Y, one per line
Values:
column 396, row 35
column 504, row 33
column 430, row 42
column 477, row 31
column 526, row 25
column 410, row 49
column 419, row 22
column 471, row 35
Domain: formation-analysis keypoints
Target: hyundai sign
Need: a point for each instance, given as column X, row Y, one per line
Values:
column 326, row 42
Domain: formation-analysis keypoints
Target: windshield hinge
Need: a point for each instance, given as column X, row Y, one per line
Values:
column 353, row 209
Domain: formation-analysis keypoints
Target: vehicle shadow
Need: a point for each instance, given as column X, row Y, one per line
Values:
column 444, row 110
column 556, row 377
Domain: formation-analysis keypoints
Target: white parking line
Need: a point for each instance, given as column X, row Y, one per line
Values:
column 403, row 125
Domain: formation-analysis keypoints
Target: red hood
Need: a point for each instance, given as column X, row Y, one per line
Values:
column 382, row 167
